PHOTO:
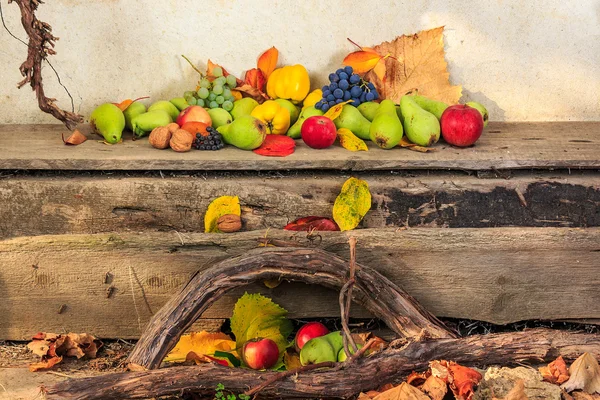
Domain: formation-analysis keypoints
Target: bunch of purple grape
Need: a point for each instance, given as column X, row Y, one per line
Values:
column 346, row 85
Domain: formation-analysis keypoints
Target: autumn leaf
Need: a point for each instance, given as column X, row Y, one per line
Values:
column 311, row 224
column 291, row 360
column 197, row 345
column 417, row 62
column 462, row 380
column 516, row 393
column 253, row 92
column 336, row 110
column 435, row 388
column 74, row 138
column 44, row 364
column 556, row 372
column 276, row 146
column 585, row 375
column 256, row 316
column 351, row 205
column 350, row 141
column 268, row 61
column 124, row 105
column 255, row 78
column 220, row 206
column 52, row 348
column 403, row 391
column 405, row 143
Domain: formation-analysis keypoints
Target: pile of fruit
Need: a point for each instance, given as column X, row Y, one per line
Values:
column 225, row 110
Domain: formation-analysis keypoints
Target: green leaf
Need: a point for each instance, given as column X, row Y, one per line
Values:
column 351, row 205
column 255, row 316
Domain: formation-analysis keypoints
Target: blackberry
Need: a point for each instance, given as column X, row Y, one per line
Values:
column 212, row 141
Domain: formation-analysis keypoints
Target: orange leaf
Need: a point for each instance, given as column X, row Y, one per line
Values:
column 462, row 380
column 268, row 61
column 556, row 372
column 45, row 364
column 75, row 138
column 362, row 61
column 336, row 110
column 126, row 103
column 255, row 78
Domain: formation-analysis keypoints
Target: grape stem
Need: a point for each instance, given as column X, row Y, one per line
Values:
column 193, row 66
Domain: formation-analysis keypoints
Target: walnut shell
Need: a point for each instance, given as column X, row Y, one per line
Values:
column 229, row 223
column 181, row 141
column 159, row 137
column 172, row 127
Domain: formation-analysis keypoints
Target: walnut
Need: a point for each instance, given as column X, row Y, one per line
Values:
column 181, row 141
column 229, row 223
column 172, row 127
column 159, row 137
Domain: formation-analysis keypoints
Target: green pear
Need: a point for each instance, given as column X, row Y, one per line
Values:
column 108, row 120
column 481, row 108
column 243, row 107
column 144, row 123
column 245, row 132
column 342, row 356
column 219, row 117
column 435, row 107
column 336, row 341
column 352, row 119
column 167, row 106
column 136, row 108
column 386, row 128
column 399, row 114
column 422, row 127
column 368, row 109
column 180, row 103
column 317, row 350
column 293, row 109
column 295, row 130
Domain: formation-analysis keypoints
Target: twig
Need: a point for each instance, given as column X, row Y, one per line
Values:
column 346, row 300
column 285, row 374
column 40, row 46
column 361, row 351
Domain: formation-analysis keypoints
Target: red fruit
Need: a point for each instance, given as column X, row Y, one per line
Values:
column 461, row 125
column 309, row 331
column 194, row 114
column 318, row 132
column 260, row 353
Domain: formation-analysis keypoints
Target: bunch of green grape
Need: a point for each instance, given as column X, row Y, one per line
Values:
column 213, row 94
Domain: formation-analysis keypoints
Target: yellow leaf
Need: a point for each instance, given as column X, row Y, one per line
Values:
column 405, row 143
column 202, row 344
column 363, row 60
column 416, row 62
column 220, row 206
column 350, row 141
column 336, row 110
column 351, row 205
column 291, row 360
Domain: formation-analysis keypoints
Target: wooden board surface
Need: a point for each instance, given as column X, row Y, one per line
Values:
column 36, row 205
column 544, row 145
column 499, row 275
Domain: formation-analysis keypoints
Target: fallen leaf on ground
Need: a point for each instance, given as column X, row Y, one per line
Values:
column 418, row 63
column 403, row 392
column 276, row 146
column 217, row 208
column 416, row 378
column 516, row 393
column 309, row 224
column 583, row 396
column 556, row 372
column 74, row 138
column 461, row 380
column 435, row 388
column 350, row 141
column 198, row 345
column 404, row 143
column 52, row 348
column 585, row 375
column 256, row 316
column 351, row 205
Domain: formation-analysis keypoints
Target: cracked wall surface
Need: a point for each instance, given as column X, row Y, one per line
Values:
column 526, row 61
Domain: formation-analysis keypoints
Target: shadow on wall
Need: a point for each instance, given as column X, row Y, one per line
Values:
column 496, row 113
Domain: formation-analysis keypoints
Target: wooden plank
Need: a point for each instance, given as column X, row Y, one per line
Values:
column 36, row 205
column 499, row 275
column 545, row 145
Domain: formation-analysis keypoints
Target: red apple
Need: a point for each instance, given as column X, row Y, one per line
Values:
column 260, row 353
column 309, row 331
column 461, row 125
column 318, row 132
column 194, row 114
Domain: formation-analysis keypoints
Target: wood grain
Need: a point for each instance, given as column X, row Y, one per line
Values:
column 499, row 275
column 544, row 145
column 73, row 204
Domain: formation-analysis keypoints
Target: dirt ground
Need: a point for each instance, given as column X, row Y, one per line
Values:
column 18, row 383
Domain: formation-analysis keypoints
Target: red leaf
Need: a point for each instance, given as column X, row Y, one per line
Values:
column 276, row 146
column 255, row 78
column 312, row 224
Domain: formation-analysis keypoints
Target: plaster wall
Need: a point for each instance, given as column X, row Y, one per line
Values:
column 526, row 60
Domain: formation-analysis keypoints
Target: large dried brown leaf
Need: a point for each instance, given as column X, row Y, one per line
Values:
column 435, row 388
column 585, row 375
column 419, row 64
column 403, row 392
